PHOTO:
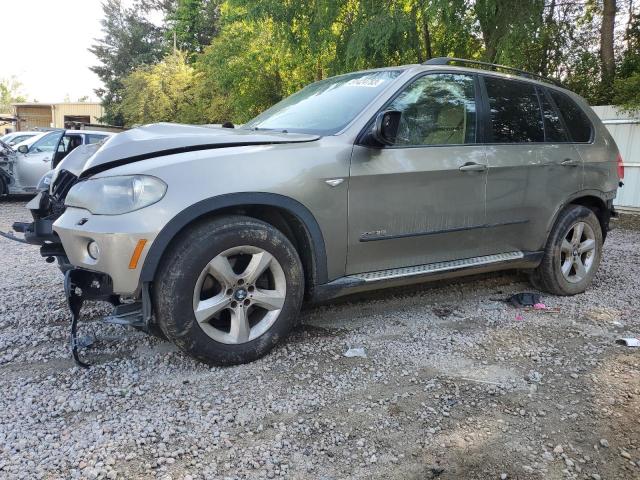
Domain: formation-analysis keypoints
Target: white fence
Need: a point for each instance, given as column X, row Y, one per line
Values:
column 625, row 130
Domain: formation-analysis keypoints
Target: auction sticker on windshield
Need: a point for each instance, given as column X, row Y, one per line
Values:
column 364, row 82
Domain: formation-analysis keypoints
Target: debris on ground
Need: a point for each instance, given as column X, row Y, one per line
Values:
column 524, row 299
column 355, row 352
column 629, row 342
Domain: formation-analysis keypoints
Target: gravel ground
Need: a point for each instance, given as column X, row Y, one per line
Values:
column 454, row 385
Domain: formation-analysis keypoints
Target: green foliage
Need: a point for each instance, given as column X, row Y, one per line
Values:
column 244, row 55
column 9, row 93
column 162, row 92
column 130, row 41
column 627, row 93
column 241, row 72
column 193, row 24
column 627, row 84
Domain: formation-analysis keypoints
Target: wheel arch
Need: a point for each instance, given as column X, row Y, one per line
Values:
column 292, row 218
column 596, row 201
column 599, row 207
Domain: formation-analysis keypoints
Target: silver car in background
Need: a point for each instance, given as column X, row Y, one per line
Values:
column 14, row 138
column 39, row 154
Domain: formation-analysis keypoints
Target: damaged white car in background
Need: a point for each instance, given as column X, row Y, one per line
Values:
column 24, row 165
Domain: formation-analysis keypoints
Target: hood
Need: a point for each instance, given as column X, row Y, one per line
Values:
column 169, row 138
column 76, row 160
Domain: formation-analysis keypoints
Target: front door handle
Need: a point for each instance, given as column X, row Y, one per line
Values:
column 569, row 162
column 473, row 167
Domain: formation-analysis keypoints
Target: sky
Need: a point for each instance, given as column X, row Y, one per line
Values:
column 44, row 45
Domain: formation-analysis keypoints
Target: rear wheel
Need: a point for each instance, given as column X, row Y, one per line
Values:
column 572, row 253
column 229, row 290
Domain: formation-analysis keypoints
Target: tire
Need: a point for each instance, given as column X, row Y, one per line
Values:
column 214, row 268
column 559, row 272
column 153, row 329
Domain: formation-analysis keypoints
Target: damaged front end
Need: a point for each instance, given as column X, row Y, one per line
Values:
column 80, row 284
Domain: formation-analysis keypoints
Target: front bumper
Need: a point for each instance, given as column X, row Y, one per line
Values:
column 77, row 228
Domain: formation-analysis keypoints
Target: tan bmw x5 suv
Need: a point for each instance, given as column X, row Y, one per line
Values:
column 213, row 237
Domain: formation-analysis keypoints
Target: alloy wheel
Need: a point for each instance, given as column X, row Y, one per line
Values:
column 239, row 294
column 578, row 252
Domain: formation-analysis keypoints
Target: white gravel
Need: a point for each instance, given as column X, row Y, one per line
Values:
column 454, row 385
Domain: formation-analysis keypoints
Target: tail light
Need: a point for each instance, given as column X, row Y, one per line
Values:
column 620, row 167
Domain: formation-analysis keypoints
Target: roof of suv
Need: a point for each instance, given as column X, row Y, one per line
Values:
column 446, row 63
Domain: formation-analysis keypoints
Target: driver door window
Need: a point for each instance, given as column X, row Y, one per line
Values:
column 68, row 143
column 437, row 109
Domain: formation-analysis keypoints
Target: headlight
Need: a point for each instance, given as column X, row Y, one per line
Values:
column 116, row 195
column 45, row 181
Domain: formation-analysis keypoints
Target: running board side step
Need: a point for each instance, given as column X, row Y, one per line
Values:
column 431, row 268
column 432, row 271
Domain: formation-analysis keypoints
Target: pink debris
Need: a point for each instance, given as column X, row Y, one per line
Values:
column 540, row 306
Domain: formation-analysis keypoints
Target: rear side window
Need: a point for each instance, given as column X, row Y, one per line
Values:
column 92, row 138
column 515, row 111
column 576, row 120
column 554, row 130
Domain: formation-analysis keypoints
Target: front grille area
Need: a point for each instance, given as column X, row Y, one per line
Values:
column 63, row 184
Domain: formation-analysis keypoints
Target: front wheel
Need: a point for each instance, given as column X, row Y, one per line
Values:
column 229, row 290
column 572, row 253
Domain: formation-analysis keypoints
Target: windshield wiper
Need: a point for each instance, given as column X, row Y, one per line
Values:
column 262, row 129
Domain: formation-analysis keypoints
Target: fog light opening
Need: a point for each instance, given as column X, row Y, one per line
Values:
column 93, row 250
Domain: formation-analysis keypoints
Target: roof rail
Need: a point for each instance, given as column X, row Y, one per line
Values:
column 492, row 66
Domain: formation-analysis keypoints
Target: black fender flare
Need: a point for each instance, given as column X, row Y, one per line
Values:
column 210, row 205
column 604, row 197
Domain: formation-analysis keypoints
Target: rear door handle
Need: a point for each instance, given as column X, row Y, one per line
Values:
column 473, row 167
column 569, row 162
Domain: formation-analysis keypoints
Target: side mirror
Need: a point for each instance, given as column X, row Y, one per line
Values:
column 23, row 149
column 385, row 128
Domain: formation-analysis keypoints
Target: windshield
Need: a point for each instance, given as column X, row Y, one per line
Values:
column 29, row 141
column 327, row 106
column 20, row 138
column 48, row 143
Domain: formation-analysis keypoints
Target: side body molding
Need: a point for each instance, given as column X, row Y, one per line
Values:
column 212, row 204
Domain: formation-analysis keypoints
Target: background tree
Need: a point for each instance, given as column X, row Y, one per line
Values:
column 129, row 41
column 607, row 55
column 10, row 93
column 192, row 24
column 246, row 55
column 627, row 82
column 241, row 73
column 162, row 92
